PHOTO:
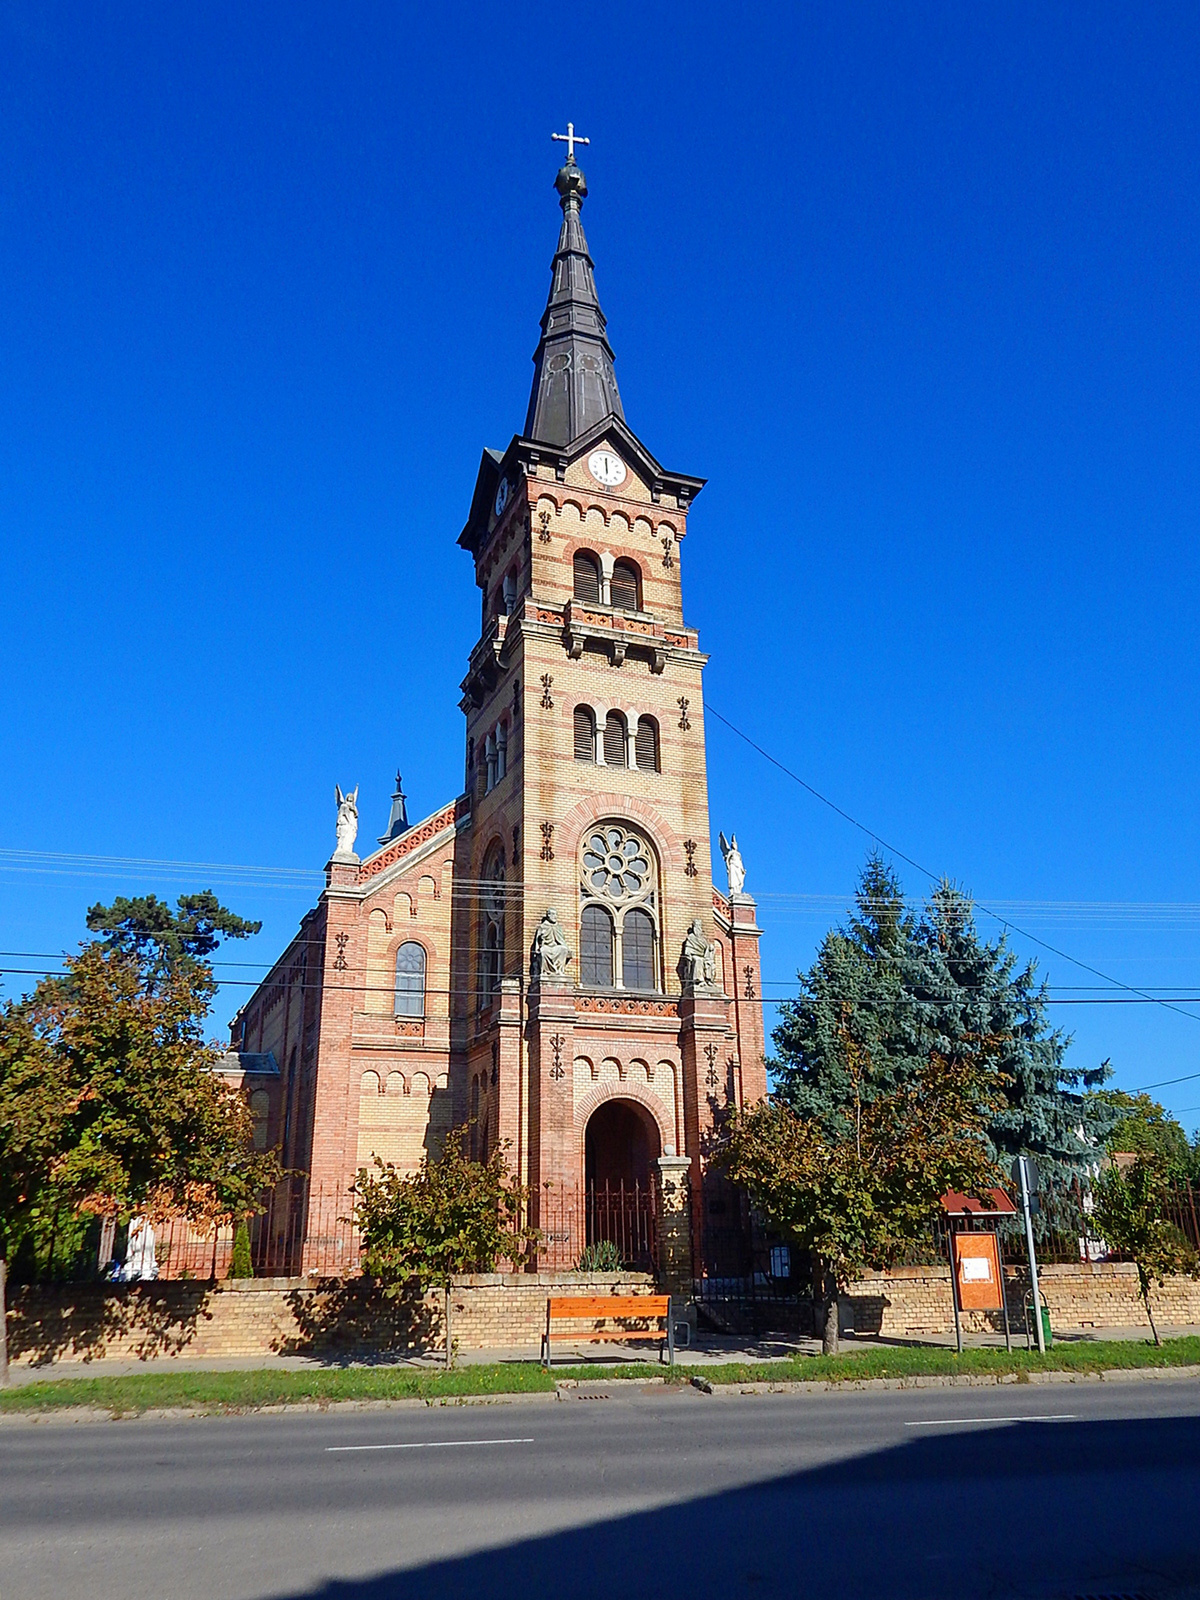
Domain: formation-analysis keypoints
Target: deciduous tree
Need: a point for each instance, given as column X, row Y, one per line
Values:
column 854, row 1189
column 1129, row 1211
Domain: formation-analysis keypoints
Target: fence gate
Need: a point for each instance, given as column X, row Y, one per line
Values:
column 749, row 1281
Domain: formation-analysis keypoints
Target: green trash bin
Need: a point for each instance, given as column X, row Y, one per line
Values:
column 1046, row 1333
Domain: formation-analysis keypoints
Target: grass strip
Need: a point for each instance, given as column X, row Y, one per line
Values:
column 249, row 1390
column 908, row 1361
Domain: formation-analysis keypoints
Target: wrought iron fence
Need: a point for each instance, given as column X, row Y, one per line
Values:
column 748, row 1278
column 570, row 1220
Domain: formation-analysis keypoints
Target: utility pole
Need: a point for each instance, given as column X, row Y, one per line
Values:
column 1025, row 1173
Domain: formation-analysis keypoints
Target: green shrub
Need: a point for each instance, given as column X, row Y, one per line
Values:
column 603, row 1256
column 240, row 1264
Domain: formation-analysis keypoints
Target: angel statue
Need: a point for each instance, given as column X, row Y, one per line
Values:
column 551, row 952
column 733, row 864
column 698, row 959
column 347, row 820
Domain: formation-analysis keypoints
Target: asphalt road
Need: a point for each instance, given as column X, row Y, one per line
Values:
column 1026, row 1491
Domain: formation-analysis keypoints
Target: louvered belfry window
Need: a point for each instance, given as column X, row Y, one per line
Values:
column 587, row 577
column 615, row 753
column 596, row 947
column 625, row 586
column 646, row 744
column 585, row 734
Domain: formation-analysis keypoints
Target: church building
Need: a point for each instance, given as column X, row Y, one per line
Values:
column 544, row 961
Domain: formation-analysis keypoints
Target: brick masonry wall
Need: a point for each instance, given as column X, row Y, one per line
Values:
column 914, row 1301
column 274, row 1316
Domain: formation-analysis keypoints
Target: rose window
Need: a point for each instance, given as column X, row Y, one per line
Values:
column 616, row 864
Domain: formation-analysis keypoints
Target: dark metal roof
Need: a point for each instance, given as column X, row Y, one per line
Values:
column 574, row 386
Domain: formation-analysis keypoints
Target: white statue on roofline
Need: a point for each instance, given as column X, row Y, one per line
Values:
column 347, row 820
column 733, row 864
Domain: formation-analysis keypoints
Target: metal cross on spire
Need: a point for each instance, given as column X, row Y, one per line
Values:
column 570, row 139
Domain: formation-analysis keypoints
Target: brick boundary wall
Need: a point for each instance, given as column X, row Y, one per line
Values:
column 283, row 1316
column 273, row 1316
column 909, row 1302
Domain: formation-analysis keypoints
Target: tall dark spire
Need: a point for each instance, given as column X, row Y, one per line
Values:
column 574, row 386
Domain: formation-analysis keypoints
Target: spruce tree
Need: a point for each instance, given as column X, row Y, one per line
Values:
column 902, row 987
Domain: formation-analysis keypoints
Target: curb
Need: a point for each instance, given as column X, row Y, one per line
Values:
column 574, row 1389
column 964, row 1380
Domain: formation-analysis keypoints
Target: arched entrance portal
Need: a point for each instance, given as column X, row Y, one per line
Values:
column 620, row 1145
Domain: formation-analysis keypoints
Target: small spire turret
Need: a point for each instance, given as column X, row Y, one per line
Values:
column 398, row 822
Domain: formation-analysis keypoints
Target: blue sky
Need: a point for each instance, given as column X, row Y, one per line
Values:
column 914, row 286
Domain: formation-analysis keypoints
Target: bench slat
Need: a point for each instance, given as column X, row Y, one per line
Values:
column 634, row 1305
column 589, row 1337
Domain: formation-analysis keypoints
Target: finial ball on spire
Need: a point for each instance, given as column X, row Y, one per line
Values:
column 570, row 181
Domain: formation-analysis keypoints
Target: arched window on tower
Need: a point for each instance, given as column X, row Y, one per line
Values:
column 501, row 750
column 587, row 577
column 490, row 755
column 616, row 752
column 410, row 980
column 646, row 744
column 596, row 947
column 618, row 926
column 508, row 596
column 491, row 924
column 626, row 586
column 585, row 734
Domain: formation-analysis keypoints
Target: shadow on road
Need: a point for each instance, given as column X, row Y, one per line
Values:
column 1033, row 1509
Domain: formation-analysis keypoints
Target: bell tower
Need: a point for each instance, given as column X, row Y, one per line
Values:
column 605, row 999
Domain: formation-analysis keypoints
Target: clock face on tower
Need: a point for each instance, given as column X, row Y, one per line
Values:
column 501, row 496
column 607, row 468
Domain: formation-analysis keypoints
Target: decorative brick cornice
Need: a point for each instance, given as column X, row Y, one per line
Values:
column 413, row 839
column 627, row 1005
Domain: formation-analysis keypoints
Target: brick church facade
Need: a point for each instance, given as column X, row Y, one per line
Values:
column 545, row 959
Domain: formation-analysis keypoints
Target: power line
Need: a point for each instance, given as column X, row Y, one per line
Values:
column 936, row 878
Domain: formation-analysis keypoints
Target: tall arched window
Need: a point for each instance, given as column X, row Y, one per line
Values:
column 646, row 744
column 626, row 586
column 637, row 950
column 508, row 592
column 615, row 751
column 260, row 1111
column 489, row 750
column 491, row 924
column 410, row 980
column 587, row 577
column 501, row 750
column 585, row 734
column 596, row 947
column 618, row 929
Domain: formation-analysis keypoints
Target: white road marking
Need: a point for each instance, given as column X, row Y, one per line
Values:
column 426, row 1444
column 953, row 1422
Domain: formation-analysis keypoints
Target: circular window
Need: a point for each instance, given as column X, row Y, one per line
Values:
column 616, row 864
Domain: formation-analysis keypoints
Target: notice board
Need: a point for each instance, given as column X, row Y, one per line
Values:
column 976, row 1265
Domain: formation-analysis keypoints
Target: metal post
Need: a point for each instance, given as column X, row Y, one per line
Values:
column 1003, row 1293
column 1023, row 1179
column 954, row 1288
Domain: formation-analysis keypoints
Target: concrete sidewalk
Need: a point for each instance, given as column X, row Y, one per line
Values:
column 709, row 1349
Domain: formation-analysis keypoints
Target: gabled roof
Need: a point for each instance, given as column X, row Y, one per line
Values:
column 523, row 455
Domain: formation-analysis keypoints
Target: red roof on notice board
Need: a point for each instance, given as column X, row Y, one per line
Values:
column 969, row 1205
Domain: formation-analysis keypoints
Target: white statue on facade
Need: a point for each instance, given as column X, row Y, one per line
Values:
column 347, row 820
column 733, row 864
column 551, row 953
column 698, row 959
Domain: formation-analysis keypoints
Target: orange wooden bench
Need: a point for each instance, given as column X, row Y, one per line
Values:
column 603, row 1308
